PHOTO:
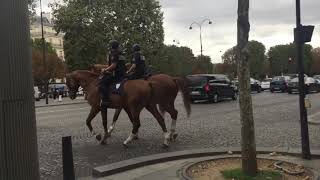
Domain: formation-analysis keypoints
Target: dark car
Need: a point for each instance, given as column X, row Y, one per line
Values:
column 279, row 83
column 311, row 85
column 212, row 87
column 254, row 84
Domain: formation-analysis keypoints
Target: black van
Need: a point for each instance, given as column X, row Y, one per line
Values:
column 212, row 87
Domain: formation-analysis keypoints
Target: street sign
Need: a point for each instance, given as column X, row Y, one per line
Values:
column 306, row 34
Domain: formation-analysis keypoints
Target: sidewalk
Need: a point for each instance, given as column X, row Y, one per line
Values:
column 172, row 170
column 314, row 118
column 65, row 101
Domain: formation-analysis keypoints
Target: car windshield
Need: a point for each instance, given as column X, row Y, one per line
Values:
column 278, row 78
column 197, row 80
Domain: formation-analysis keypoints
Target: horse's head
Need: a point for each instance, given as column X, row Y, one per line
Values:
column 72, row 84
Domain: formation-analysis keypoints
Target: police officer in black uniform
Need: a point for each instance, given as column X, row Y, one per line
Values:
column 138, row 67
column 115, row 72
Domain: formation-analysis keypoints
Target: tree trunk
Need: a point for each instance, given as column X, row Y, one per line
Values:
column 248, row 146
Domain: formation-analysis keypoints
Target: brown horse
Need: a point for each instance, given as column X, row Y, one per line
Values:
column 164, row 95
column 137, row 95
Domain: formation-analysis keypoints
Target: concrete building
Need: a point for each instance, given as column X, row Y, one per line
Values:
column 50, row 34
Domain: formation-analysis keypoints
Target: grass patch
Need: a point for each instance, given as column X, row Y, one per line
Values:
column 238, row 174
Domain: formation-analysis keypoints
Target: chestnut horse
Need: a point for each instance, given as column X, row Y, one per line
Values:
column 165, row 93
column 137, row 95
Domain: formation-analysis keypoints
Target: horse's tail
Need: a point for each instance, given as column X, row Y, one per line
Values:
column 182, row 84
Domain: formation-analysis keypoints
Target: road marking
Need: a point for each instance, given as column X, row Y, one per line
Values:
column 61, row 110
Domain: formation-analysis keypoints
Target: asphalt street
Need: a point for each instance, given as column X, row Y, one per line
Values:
column 210, row 125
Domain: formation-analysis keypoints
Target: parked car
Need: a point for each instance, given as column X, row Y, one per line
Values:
column 36, row 93
column 255, row 85
column 57, row 88
column 212, row 87
column 311, row 85
column 279, row 83
column 265, row 84
column 317, row 77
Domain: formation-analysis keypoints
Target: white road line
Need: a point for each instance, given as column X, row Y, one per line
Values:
column 61, row 110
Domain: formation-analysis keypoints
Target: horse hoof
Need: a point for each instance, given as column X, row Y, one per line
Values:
column 98, row 137
column 103, row 143
column 174, row 137
column 165, row 146
column 125, row 145
column 136, row 138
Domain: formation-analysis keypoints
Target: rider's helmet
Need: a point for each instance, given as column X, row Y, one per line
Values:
column 136, row 47
column 114, row 44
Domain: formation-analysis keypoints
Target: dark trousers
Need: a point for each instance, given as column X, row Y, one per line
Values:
column 104, row 86
column 136, row 75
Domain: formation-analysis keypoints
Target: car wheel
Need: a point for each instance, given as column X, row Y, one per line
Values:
column 215, row 98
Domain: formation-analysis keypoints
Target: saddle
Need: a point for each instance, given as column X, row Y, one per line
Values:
column 117, row 88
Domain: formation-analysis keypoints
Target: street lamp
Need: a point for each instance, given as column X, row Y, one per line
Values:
column 44, row 55
column 200, row 26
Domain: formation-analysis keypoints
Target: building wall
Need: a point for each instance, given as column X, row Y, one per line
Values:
column 50, row 36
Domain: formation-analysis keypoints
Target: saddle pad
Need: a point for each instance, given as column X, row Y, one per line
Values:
column 117, row 88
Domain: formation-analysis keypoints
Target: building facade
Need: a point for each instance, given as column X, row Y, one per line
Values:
column 50, row 35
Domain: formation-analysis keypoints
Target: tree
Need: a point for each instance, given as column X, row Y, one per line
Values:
column 202, row 64
column 256, row 58
column 55, row 67
column 248, row 145
column 279, row 56
column 90, row 25
column 315, row 68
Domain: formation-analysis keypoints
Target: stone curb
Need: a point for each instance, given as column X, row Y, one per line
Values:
column 62, row 104
column 314, row 122
column 126, row 165
column 184, row 176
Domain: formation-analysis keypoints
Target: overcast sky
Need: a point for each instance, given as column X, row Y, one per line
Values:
column 272, row 23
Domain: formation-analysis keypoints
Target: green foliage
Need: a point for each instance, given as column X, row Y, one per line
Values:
column 202, row 64
column 174, row 60
column 256, row 60
column 36, row 44
column 89, row 25
column 262, row 175
column 31, row 7
column 279, row 55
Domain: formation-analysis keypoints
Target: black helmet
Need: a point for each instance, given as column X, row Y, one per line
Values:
column 114, row 44
column 136, row 47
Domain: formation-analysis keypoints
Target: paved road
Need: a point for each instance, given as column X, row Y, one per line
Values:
column 210, row 125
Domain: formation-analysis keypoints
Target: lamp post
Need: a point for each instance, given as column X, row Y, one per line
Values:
column 302, row 34
column 44, row 56
column 200, row 27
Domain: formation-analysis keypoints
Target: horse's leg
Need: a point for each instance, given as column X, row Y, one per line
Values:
column 104, row 113
column 135, row 120
column 154, row 111
column 174, row 115
column 114, row 121
column 93, row 112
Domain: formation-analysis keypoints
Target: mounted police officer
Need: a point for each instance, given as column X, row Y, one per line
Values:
column 115, row 72
column 138, row 67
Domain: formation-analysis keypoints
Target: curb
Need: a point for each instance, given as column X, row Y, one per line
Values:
column 184, row 176
column 314, row 122
column 134, row 163
column 52, row 105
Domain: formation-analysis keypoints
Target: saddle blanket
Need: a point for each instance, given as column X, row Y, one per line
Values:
column 117, row 88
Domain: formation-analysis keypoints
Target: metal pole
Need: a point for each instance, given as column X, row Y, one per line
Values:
column 67, row 158
column 201, row 40
column 44, row 56
column 303, row 112
column 18, row 137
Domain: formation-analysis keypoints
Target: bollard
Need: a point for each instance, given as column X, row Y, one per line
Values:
column 67, row 159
